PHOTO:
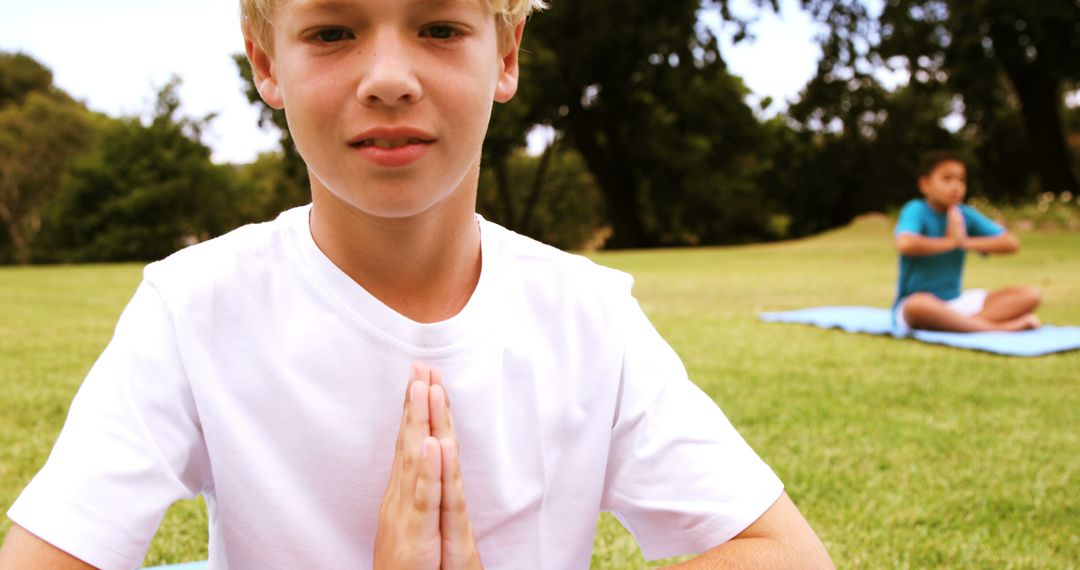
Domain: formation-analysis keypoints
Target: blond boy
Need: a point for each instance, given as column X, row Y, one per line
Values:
column 265, row 369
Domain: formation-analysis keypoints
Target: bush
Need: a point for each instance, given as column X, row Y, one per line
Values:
column 1052, row 212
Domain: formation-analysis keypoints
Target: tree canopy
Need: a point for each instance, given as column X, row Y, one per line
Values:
column 1004, row 65
column 653, row 141
column 41, row 130
column 146, row 191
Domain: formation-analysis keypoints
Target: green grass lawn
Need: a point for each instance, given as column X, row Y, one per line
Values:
column 900, row 454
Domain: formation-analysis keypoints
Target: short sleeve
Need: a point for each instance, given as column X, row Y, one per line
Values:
column 131, row 446
column 679, row 477
column 910, row 220
column 978, row 225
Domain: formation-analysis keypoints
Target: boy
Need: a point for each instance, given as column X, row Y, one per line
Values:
column 933, row 236
column 265, row 369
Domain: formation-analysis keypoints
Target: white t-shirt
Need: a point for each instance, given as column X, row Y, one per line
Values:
column 252, row 370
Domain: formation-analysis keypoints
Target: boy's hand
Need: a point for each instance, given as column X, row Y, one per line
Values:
column 423, row 522
column 408, row 535
column 458, row 545
column 956, row 230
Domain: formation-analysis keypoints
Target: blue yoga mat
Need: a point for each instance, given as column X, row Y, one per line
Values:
column 871, row 320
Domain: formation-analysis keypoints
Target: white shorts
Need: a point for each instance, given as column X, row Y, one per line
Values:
column 969, row 303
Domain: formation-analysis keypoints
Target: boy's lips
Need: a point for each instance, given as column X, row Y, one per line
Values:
column 392, row 147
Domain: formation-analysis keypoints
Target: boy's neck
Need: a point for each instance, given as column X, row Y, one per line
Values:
column 935, row 207
column 425, row 267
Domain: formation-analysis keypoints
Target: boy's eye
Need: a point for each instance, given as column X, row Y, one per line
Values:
column 331, row 35
column 439, row 32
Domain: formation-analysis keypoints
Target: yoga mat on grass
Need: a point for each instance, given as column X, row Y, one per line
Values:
column 871, row 320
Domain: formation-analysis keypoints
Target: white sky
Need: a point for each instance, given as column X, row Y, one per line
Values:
column 114, row 54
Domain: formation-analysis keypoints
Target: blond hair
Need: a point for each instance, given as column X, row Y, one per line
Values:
column 257, row 17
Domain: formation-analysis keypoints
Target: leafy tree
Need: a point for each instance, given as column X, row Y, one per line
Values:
column 21, row 75
column 41, row 129
column 553, row 196
column 1072, row 129
column 856, row 149
column 291, row 187
column 1008, row 63
column 510, row 204
column 1032, row 47
column 265, row 190
column 146, row 191
column 647, row 100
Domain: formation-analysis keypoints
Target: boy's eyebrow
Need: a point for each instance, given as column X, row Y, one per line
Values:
column 323, row 5
column 346, row 5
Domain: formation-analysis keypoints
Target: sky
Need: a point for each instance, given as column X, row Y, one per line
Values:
column 115, row 54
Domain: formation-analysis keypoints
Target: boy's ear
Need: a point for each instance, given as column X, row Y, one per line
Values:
column 508, row 75
column 262, row 69
column 924, row 183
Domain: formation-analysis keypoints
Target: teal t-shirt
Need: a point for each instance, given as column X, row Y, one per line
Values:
column 939, row 274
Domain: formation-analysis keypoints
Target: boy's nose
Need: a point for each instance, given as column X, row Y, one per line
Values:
column 389, row 77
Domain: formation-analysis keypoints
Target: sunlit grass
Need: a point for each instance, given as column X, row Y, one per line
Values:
column 900, row 454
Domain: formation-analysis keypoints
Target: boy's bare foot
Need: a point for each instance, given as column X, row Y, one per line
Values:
column 1022, row 323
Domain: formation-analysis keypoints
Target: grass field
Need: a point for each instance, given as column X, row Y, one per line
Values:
column 901, row 455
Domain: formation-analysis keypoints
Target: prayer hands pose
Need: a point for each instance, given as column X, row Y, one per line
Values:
column 423, row 522
column 956, row 229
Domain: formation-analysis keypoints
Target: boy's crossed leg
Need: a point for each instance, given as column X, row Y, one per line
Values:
column 1011, row 303
column 1009, row 309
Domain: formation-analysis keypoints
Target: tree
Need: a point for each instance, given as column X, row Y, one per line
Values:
column 859, row 141
column 146, row 191
column 515, row 194
column 662, row 126
column 21, row 75
column 291, row 187
column 41, row 130
column 1007, row 62
column 646, row 101
column 553, row 197
column 265, row 189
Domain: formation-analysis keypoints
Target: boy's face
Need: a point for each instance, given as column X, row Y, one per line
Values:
column 387, row 101
column 945, row 186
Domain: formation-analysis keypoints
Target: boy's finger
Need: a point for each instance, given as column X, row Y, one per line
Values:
column 399, row 442
column 404, row 416
column 417, row 374
column 441, row 422
column 437, row 378
column 453, row 514
column 427, row 494
column 416, row 429
column 421, row 371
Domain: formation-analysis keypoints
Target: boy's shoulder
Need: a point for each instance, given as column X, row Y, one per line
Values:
column 253, row 248
column 916, row 205
column 969, row 210
column 543, row 267
column 252, row 255
column 530, row 253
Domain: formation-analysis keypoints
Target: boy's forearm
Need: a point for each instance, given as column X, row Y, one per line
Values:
column 23, row 551
column 780, row 538
column 758, row 553
column 913, row 245
column 1004, row 243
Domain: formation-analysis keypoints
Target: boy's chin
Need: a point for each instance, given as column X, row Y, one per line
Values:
column 396, row 209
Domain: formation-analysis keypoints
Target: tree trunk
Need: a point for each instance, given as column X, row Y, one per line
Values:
column 1041, row 100
column 537, row 187
column 19, row 244
column 502, row 182
column 616, row 183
